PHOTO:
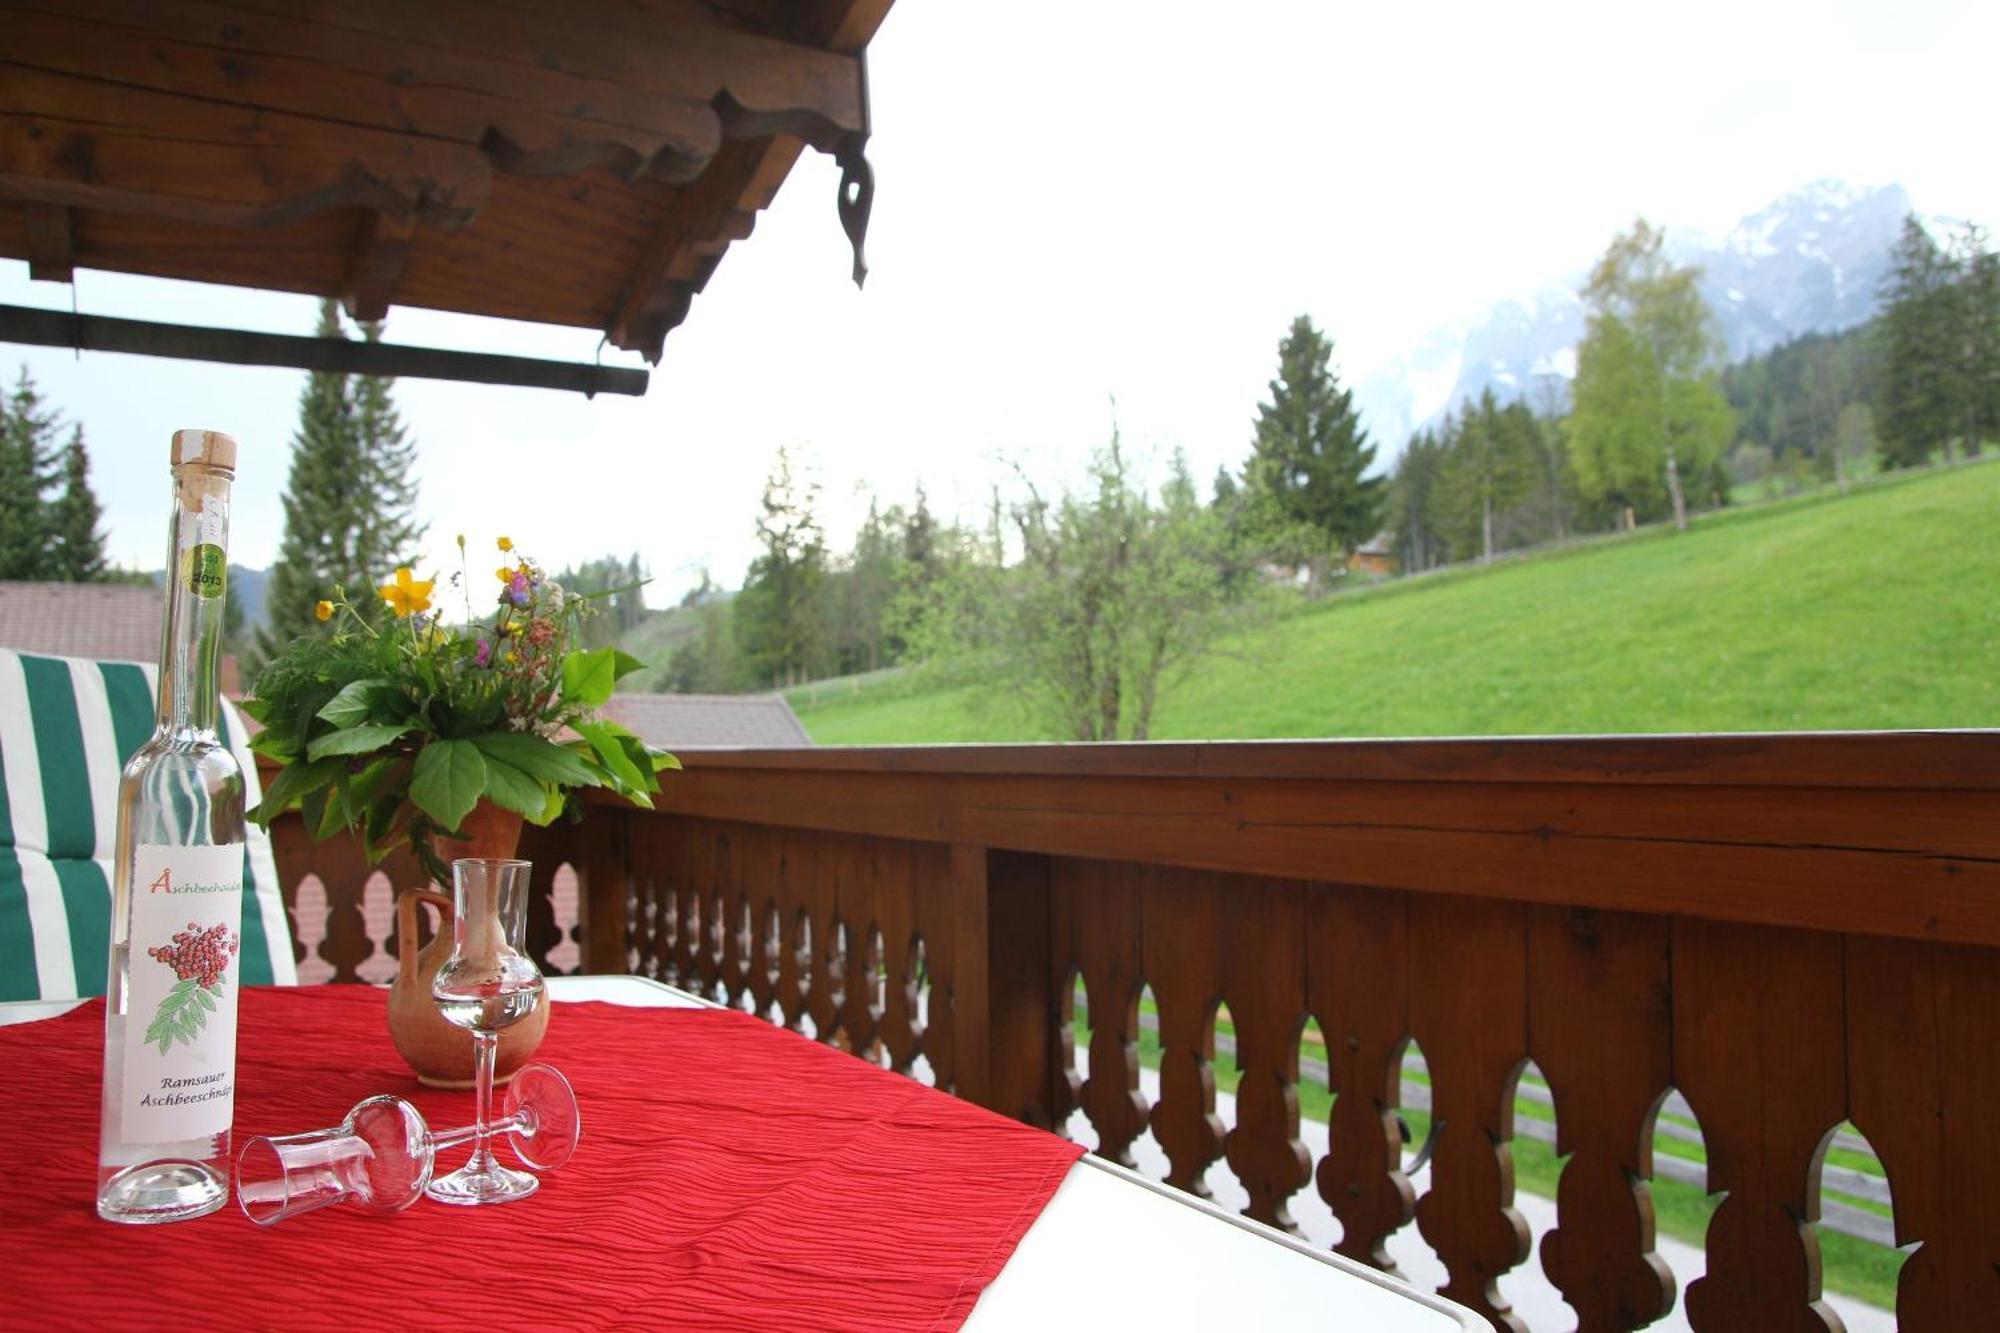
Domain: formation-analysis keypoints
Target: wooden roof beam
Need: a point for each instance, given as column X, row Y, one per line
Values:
column 381, row 252
column 89, row 144
column 51, row 243
column 722, row 205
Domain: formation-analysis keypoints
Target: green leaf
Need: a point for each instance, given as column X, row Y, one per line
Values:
column 356, row 702
column 589, row 677
column 448, row 780
column 606, row 743
column 257, row 710
column 293, row 781
column 663, row 761
column 511, row 789
column 275, row 744
column 354, row 740
column 545, row 761
column 624, row 664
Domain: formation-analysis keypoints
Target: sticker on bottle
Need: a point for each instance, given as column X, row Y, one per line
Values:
column 180, row 1004
column 207, row 571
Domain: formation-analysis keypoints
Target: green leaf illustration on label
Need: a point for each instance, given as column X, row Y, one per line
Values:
column 200, row 959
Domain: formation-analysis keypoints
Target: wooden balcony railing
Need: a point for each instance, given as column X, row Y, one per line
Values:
column 1792, row 931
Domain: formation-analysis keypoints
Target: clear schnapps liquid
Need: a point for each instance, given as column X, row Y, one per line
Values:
column 177, row 883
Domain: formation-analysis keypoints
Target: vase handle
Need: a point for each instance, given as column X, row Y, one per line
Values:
column 406, row 927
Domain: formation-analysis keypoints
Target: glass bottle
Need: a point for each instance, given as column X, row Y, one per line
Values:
column 177, row 885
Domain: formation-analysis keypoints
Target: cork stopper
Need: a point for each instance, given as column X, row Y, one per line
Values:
column 205, row 448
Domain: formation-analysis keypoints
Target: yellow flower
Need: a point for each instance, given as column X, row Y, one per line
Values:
column 323, row 610
column 504, row 574
column 408, row 594
column 506, row 543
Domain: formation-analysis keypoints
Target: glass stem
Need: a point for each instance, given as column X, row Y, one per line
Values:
column 486, row 1046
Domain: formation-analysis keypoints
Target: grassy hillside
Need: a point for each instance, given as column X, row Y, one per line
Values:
column 1880, row 608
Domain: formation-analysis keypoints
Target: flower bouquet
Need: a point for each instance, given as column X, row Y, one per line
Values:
column 398, row 731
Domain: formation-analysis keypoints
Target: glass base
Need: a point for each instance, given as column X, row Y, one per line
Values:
column 494, row 1184
column 162, row 1192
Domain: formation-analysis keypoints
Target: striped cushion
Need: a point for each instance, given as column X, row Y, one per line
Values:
column 66, row 728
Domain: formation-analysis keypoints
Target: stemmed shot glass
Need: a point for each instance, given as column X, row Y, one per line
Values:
column 487, row 984
column 379, row 1159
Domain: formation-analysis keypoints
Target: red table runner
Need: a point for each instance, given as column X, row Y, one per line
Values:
column 731, row 1176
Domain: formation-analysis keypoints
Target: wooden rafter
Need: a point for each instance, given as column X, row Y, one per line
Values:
column 380, row 253
column 51, row 243
column 354, row 150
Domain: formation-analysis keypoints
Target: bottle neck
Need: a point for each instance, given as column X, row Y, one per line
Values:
column 197, row 573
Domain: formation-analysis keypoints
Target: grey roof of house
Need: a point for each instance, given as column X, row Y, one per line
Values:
column 710, row 721
column 111, row 622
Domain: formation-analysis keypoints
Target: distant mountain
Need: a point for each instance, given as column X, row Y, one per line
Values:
column 1810, row 262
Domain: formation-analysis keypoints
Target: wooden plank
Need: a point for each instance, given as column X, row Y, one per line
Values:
column 381, row 252
column 526, row 118
column 1358, row 985
column 1600, row 1024
column 1183, row 912
column 1835, row 860
column 51, row 242
column 970, row 979
column 609, row 43
column 1262, row 943
column 100, row 333
column 1022, row 1026
column 1759, row 1049
column 664, row 280
column 1468, row 1010
column 1930, row 760
column 89, row 144
column 1099, row 922
column 1923, row 1084
column 605, row 883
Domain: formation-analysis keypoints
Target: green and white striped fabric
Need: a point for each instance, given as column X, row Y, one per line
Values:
column 66, row 728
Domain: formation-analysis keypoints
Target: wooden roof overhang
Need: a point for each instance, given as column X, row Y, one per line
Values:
column 572, row 162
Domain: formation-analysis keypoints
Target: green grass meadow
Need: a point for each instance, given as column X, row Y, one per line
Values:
column 1879, row 608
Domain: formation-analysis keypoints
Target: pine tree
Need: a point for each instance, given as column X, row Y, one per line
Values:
column 28, row 469
column 1307, row 471
column 388, row 533
column 777, row 617
column 326, row 498
column 1914, row 416
column 349, row 499
column 76, row 551
column 1414, row 504
column 1976, row 316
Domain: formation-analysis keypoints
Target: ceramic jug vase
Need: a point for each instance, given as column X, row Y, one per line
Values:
column 440, row 1053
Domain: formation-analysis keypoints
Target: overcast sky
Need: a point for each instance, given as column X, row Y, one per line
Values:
column 1080, row 202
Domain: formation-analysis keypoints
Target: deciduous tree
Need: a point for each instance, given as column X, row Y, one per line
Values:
column 1648, row 409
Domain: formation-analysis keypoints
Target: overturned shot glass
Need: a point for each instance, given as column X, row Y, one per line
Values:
column 380, row 1158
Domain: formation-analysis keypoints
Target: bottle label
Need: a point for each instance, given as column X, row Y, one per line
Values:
column 180, row 1002
column 207, row 570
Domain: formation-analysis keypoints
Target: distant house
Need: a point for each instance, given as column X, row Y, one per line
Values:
column 1375, row 556
column 111, row 622
column 710, row 721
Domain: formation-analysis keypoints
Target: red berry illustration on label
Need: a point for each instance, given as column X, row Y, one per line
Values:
column 199, row 958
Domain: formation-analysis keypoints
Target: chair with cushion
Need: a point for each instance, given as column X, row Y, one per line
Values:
column 67, row 726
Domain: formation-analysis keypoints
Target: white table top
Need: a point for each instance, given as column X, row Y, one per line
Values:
column 1182, row 1263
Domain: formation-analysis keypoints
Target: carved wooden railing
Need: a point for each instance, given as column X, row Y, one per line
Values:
column 1794, row 932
